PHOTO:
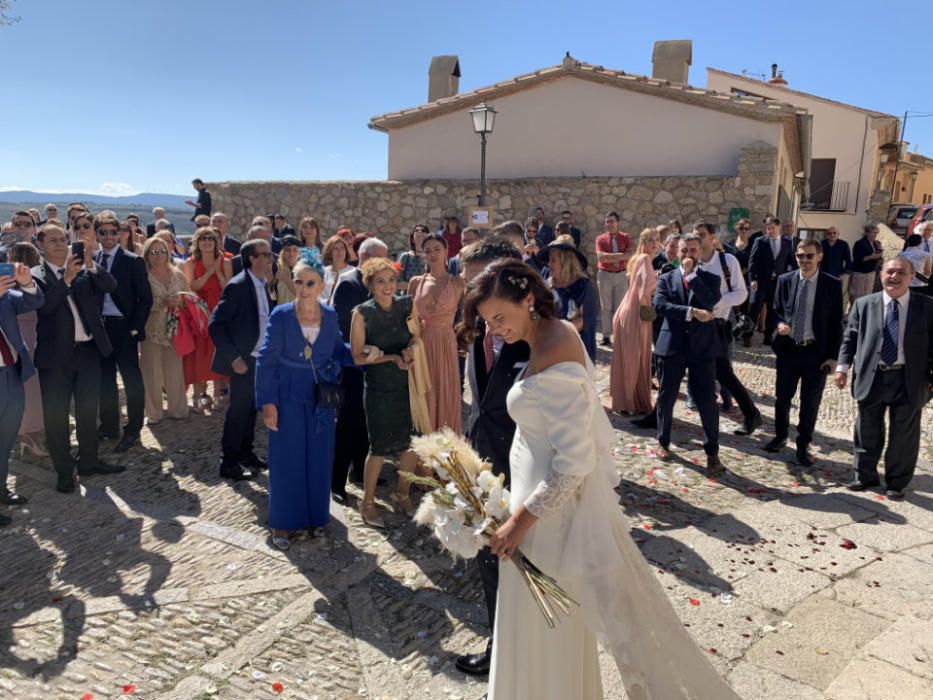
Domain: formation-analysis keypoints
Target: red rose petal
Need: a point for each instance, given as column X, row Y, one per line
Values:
column 277, row 687
column 684, row 490
column 848, row 544
column 795, row 483
column 646, row 526
column 129, row 689
column 694, row 601
column 880, row 497
column 87, row 696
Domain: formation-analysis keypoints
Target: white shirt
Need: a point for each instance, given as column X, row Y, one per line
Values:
column 263, row 302
column 109, row 308
column 81, row 333
column 901, row 321
column 25, row 290
column 739, row 292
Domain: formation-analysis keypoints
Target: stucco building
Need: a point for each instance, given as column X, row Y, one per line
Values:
column 850, row 147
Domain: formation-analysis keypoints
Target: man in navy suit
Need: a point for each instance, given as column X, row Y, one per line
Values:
column 237, row 327
column 125, row 312
column 15, row 368
column 808, row 310
column 221, row 224
column 352, row 439
column 688, row 341
column 772, row 255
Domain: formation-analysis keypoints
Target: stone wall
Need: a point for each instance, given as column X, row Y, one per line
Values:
column 390, row 208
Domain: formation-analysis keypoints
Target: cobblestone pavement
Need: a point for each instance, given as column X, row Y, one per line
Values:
column 159, row 583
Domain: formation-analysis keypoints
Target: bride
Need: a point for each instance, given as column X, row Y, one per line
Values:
column 567, row 520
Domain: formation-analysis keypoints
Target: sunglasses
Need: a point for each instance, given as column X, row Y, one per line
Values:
column 805, row 256
column 264, row 255
column 23, row 224
column 745, row 228
column 159, row 251
column 207, row 238
column 309, row 284
column 107, row 232
column 84, row 226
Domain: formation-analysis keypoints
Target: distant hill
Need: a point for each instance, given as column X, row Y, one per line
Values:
column 144, row 199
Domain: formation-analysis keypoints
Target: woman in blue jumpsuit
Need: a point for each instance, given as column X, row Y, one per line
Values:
column 302, row 346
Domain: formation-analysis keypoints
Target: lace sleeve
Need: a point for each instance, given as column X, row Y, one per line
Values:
column 553, row 494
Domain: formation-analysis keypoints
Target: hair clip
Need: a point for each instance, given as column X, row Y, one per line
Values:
column 520, row 282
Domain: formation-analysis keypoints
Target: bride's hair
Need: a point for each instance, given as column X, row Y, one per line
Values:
column 504, row 279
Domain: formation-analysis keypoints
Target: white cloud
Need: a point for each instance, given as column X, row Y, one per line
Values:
column 116, row 189
column 11, row 188
column 298, row 149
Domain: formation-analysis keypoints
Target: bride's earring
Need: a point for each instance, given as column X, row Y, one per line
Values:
column 534, row 314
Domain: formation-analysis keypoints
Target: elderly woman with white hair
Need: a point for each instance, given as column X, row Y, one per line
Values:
column 297, row 375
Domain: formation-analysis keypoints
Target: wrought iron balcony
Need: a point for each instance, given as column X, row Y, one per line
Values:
column 829, row 196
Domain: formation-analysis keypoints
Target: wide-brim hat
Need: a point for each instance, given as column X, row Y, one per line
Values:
column 565, row 242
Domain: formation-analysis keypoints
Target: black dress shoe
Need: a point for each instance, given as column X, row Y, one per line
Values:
column 5, row 520
column 235, row 472
column 107, row 434
column 857, row 485
column 340, row 497
column 126, row 442
column 649, row 422
column 606, row 342
column 750, row 424
column 8, row 498
column 713, row 465
column 767, row 340
column 776, row 445
column 894, row 494
column 253, row 462
column 475, row 664
column 65, row 484
column 101, row 468
column 804, row 458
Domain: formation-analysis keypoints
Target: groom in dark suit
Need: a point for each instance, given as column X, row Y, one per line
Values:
column 888, row 344
column 237, row 327
column 689, row 340
column 772, row 255
column 491, row 367
column 808, row 310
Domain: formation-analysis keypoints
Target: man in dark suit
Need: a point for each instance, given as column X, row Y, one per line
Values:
column 888, row 343
column 544, row 234
column 158, row 213
column 688, row 340
column 221, row 224
column 808, row 307
column 125, row 313
column 70, row 342
column 352, row 438
column 203, row 206
column 772, row 255
column 18, row 295
column 282, row 228
column 492, row 366
column 566, row 217
column 237, row 327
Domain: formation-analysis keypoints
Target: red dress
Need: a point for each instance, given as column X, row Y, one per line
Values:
column 197, row 365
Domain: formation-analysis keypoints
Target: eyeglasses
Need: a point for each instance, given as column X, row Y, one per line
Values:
column 158, row 251
column 805, row 256
column 107, row 232
column 85, row 226
column 265, row 254
column 310, row 284
column 23, row 224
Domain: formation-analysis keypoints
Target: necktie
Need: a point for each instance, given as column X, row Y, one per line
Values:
column 889, row 335
column 489, row 350
column 926, row 245
column 105, row 259
column 800, row 313
column 5, row 352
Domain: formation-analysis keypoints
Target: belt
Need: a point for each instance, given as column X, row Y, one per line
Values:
column 889, row 368
column 83, row 342
column 614, row 272
column 805, row 343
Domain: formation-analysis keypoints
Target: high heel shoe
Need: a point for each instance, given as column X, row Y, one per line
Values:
column 28, row 442
column 371, row 516
column 403, row 503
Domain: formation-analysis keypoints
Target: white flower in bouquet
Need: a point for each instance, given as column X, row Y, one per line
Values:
column 497, row 503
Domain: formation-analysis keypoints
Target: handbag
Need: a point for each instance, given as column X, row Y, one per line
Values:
column 647, row 313
column 326, row 394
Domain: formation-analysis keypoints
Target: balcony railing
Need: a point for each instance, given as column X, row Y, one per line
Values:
column 831, row 196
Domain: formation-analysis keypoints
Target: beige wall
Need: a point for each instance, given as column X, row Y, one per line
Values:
column 839, row 132
column 572, row 126
column 923, row 186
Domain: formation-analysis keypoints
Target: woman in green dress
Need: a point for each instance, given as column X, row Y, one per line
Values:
column 380, row 339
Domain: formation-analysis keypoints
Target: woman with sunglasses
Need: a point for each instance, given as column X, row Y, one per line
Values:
column 302, row 348
column 162, row 368
column 207, row 271
column 282, row 288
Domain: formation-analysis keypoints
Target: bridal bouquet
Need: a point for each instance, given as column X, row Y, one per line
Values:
column 467, row 504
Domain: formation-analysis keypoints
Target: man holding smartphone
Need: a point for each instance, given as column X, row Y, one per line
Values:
column 808, row 307
column 70, row 341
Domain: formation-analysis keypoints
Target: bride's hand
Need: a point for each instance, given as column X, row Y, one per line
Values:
column 507, row 538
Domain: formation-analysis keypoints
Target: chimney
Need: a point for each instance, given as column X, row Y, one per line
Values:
column 671, row 60
column 777, row 76
column 443, row 77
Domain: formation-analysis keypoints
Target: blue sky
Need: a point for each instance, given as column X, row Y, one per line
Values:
column 143, row 95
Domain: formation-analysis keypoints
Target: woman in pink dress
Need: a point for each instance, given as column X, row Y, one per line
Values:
column 630, row 377
column 207, row 271
column 437, row 297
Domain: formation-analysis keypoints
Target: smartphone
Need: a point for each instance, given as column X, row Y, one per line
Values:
column 6, row 269
column 77, row 249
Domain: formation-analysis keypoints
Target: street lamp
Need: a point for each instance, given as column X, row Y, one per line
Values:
column 484, row 119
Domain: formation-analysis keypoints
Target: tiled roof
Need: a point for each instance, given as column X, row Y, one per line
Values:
column 869, row 112
column 752, row 107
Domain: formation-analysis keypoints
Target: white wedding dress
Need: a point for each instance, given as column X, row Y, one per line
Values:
column 563, row 472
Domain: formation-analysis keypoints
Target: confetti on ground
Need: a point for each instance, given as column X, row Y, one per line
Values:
column 694, row 601
column 277, row 687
